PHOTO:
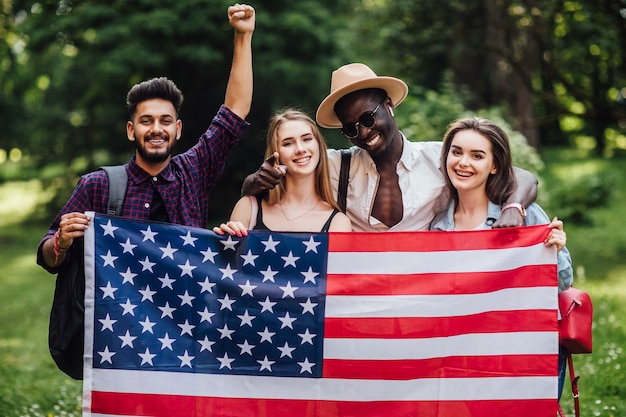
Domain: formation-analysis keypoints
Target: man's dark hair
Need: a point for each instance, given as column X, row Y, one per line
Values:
column 161, row 87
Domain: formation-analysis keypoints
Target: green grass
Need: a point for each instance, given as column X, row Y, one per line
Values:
column 30, row 384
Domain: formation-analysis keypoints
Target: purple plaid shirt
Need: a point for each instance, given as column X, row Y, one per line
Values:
column 184, row 185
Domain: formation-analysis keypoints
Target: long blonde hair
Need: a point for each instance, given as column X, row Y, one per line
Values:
column 322, row 177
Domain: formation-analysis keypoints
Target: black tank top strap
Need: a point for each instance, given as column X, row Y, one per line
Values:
column 259, row 216
column 329, row 221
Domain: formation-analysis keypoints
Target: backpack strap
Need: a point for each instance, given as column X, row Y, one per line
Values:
column 118, row 181
column 342, row 189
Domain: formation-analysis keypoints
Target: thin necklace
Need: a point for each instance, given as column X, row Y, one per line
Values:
column 300, row 215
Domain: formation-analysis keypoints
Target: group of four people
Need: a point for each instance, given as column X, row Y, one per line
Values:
column 465, row 182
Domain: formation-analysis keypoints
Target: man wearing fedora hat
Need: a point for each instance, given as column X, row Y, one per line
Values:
column 393, row 184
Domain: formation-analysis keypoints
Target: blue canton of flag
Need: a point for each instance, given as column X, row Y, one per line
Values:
column 180, row 299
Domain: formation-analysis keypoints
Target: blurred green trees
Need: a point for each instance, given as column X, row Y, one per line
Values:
column 556, row 69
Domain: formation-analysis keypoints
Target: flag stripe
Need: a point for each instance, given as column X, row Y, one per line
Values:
column 325, row 389
column 440, row 305
column 481, row 344
column 488, row 260
column 440, row 283
column 424, row 327
column 443, row 367
column 117, row 404
column 166, row 406
column 437, row 241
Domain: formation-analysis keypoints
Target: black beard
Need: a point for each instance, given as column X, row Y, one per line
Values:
column 152, row 157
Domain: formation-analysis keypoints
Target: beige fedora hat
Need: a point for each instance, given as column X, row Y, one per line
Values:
column 353, row 77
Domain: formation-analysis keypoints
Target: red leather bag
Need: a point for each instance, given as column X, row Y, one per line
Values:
column 576, row 320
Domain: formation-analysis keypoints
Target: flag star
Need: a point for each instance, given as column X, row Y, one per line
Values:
column 270, row 244
column 147, row 294
column 127, row 340
column 147, row 325
column 108, row 291
column 128, row 276
column 309, row 276
column 266, row 364
column 267, row 305
column 206, row 285
column 147, row 265
column 290, row 259
column 106, row 355
column 209, row 255
column 311, row 245
column 128, row 247
column 206, row 315
column 189, row 240
column 168, row 251
column 166, row 281
column 186, row 328
column 245, row 347
column 246, row 319
column 186, row 359
column 108, row 230
column 225, row 332
column 109, row 259
column 249, row 258
column 166, row 310
column 287, row 321
column 308, row 306
column 146, row 357
column 226, row 302
column 247, row 288
column 228, row 272
column 148, row 234
column 306, row 366
column 268, row 274
column 206, row 345
column 186, row 269
column 286, row 350
column 186, row 299
column 288, row 290
column 225, row 361
column 166, row 342
column 107, row 323
column 266, row 335
column 229, row 243
column 128, row 307
column 307, row 337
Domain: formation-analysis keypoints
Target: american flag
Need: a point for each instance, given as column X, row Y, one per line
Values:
column 183, row 322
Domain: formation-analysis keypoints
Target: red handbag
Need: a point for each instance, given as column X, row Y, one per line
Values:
column 576, row 320
column 575, row 333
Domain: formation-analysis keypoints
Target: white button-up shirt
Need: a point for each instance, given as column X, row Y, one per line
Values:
column 424, row 192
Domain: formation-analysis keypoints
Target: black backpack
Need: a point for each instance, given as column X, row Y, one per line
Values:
column 66, row 330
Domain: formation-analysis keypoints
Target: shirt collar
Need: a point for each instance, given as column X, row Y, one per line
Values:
column 406, row 158
column 139, row 175
column 447, row 222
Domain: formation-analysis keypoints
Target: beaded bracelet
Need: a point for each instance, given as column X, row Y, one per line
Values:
column 57, row 247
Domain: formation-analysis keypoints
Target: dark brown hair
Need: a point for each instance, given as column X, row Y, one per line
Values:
column 500, row 185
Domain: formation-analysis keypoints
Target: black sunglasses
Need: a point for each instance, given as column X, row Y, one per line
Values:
column 366, row 120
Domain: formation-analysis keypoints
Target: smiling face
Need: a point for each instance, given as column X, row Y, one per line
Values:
column 469, row 161
column 298, row 148
column 378, row 138
column 155, row 130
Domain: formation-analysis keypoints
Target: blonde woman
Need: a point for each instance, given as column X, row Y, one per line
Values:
column 303, row 201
